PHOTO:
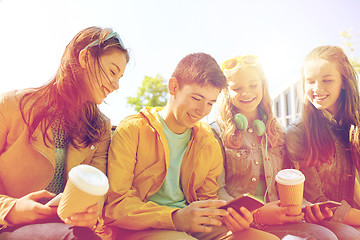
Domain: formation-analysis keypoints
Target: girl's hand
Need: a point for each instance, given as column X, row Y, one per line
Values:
column 27, row 210
column 314, row 215
column 199, row 216
column 236, row 222
column 273, row 214
column 85, row 219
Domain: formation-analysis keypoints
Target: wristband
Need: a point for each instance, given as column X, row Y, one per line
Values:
column 257, row 222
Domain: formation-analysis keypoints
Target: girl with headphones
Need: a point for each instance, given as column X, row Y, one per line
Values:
column 253, row 149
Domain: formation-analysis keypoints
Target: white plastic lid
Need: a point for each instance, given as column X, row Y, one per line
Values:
column 290, row 177
column 89, row 179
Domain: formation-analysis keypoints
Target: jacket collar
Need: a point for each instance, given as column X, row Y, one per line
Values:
column 151, row 114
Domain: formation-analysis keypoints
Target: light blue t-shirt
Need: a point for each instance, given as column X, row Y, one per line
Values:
column 170, row 194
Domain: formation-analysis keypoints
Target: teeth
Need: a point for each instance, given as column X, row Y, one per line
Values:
column 246, row 101
column 105, row 90
column 192, row 117
column 320, row 97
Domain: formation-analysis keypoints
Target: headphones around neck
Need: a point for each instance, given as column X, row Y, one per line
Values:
column 258, row 125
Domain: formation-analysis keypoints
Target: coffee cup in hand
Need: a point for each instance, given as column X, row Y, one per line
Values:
column 291, row 188
column 85, row 187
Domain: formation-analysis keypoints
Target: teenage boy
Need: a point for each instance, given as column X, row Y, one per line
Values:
column 164, row 163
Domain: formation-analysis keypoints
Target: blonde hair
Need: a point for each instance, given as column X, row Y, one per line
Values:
column 231, row 136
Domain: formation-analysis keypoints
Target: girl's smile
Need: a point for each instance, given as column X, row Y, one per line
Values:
column 322, row 84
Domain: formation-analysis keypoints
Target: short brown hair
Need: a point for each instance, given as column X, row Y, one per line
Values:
column 199, row 68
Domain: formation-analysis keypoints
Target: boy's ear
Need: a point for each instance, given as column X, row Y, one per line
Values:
column 173, row 86
column 83, row 58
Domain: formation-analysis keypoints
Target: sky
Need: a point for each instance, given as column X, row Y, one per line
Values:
column 159, row 33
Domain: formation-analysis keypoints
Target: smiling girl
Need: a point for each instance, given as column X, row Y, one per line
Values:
column 46, row 131
column 324, row 143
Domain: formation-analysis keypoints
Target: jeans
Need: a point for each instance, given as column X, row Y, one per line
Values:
column 341, row 230
column 48, row 231
column 304, row 230
column 217, row 233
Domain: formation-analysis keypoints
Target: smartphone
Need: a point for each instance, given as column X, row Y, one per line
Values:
column 246, row 200
column 322, row 205
column 54, row 202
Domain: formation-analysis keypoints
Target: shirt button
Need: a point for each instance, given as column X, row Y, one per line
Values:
column 253, row 179
column 253, row 144
column 238, row 154
column 92, row 147
column 250, row 130
column 256, row 162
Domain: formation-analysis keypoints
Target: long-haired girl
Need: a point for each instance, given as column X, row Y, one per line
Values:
column 324, row 143
column 46, row 131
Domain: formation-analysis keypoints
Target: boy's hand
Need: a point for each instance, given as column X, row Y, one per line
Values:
column 235, row 222
column 199, row 216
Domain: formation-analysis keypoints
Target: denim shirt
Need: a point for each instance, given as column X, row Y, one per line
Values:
column 241, row 171
column 326, row 181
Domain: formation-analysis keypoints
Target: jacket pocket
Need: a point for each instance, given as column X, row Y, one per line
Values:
column 237, row 160
column 278, row 152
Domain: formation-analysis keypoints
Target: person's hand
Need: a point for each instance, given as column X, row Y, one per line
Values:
column 199, row 216
column 235, row 222
column 85, row 219
column 314, row 215
column 273, row 214
column 28, row 210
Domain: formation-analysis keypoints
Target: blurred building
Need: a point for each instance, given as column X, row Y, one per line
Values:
column 287, row 102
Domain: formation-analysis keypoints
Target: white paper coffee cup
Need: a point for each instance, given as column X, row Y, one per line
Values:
column 84, row 188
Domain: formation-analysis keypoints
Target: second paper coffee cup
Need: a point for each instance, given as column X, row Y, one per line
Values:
column 84, row 188
column 291, row 188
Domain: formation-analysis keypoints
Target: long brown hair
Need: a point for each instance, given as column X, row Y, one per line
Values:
column 231, row 136
column 318, row 142
column 64, row 97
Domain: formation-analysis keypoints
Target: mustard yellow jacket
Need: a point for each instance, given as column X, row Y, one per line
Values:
column 138, row 163
column 28, row 166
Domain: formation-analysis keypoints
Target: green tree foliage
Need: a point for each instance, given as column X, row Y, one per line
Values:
column 350, row 48
column 152, row 93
